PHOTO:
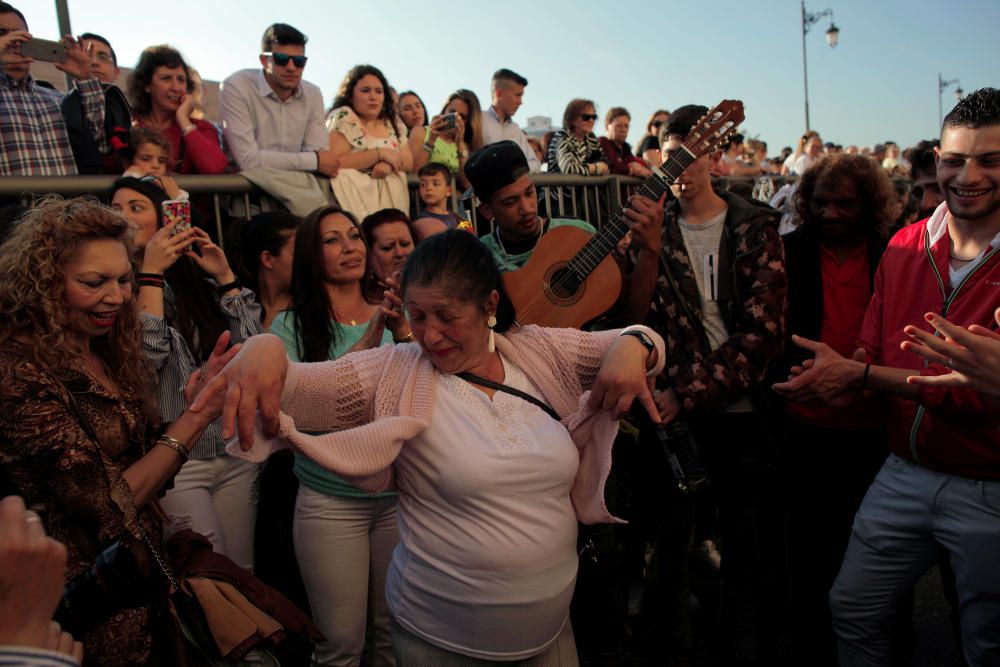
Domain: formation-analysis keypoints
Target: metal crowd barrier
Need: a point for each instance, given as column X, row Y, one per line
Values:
column 595, row 199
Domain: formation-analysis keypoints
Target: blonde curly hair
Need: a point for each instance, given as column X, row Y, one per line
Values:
column 33, row 286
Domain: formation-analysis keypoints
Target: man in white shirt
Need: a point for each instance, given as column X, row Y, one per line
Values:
column 508, row 91
column 270, row 116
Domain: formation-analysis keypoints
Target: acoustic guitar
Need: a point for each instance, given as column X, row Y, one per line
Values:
column 571, row 277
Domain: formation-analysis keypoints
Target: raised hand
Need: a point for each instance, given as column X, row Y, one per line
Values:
column 972, row 355
column 212, row 259
column 164, row 248
column 77, row 63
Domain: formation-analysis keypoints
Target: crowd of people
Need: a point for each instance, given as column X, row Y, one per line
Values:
column 795, row 399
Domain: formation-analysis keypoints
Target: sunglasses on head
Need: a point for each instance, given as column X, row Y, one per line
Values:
column 281, row 59
column 588, row 116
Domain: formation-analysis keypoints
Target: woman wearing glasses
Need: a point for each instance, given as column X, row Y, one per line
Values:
column 575, row 149
column 162, row 95
column 649, row 147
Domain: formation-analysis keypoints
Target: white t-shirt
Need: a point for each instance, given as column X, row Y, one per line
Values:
column 486, row 561
column 702, row 243
column 956, row 276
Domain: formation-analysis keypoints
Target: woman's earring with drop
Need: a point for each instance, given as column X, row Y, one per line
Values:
column 492, row 344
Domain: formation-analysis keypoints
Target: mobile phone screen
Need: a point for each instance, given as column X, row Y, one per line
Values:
column 44, row 49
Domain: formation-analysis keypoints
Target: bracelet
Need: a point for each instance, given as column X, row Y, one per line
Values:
column 189, row 129
column 864, row 378
column 229, row 286
column 174, row 444
column 317, row 160
column 140, row 274
column 150, row 282
column 405, row 339
column 427, row 147
column 463, row 154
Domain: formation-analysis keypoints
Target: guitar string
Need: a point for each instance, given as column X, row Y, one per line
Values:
column 592, row 251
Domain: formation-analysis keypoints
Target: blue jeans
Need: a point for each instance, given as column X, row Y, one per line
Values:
column 908, row 519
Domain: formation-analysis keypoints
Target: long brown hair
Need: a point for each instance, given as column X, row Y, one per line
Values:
column 474, row 128
column 33, row 289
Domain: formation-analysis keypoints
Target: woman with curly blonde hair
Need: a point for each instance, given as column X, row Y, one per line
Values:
column 75, row 438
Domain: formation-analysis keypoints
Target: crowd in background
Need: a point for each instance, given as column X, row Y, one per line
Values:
column 761, row 314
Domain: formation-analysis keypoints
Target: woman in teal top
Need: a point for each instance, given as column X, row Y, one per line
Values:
column 343, row 537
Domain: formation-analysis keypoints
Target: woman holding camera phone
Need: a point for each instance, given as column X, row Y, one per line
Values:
column 453, row 134
column 370, row 142
column 187, row 297
column 77, row 439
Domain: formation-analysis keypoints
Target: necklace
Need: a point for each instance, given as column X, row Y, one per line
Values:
column 496, row 233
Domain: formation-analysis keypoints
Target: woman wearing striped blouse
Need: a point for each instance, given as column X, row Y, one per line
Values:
column 187, row 297
column 575, row 148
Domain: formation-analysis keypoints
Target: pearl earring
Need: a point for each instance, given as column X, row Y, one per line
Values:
column 491, row 345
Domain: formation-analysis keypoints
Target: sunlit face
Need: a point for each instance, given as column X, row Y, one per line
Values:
column 618, row 129
column 18, row 66
column 151, row 159
column 393, row 243
column 411, row 112
column 514, row 209
column 434, row 189
column 343, row 249
column 283, row 79
column 98, row 284
column 139, row 210
column 584, row 121
column 968, row 170
column 451, row 332
column 368, row 97
column 167, row 88
column 102, row 63
column 696, row 178
column 836, row 207
column 509, row 97
column 814, row 147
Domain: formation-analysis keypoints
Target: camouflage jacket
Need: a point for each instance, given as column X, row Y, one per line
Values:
column 752, row 301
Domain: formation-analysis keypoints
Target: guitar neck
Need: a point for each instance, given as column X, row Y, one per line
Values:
column 608, row 236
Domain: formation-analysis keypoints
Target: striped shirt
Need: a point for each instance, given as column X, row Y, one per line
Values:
column 33, row 136
column 168, row 352
column 26, row 656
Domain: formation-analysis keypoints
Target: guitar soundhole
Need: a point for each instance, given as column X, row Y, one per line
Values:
column 562, row 286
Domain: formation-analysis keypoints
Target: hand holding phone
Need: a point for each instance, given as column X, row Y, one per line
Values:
column 177, row 212
column 448, row 121
column 45, row 50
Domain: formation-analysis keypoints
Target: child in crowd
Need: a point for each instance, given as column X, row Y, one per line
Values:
column 148, row 154
column 435, row 191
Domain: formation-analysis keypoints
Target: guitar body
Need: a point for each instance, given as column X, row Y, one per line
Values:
column 544, row 294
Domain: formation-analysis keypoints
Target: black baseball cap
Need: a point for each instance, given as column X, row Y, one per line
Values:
column 494, row 167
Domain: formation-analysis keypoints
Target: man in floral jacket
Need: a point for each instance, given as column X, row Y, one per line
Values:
column 709, row 276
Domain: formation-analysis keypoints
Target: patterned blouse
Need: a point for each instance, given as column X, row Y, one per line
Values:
column 76, row 485
column 347, row 123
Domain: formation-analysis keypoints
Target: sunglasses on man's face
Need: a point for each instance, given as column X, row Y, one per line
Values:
column 281, row 59
column 588, row 116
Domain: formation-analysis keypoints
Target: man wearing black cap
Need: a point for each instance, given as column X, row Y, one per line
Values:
column 501, row 180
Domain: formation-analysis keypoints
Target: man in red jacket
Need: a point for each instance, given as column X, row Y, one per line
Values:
column 939, row 490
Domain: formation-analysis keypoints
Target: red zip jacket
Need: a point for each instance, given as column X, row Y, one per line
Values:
column 955, row 431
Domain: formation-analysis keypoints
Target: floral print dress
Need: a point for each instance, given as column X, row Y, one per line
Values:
column 355, row 189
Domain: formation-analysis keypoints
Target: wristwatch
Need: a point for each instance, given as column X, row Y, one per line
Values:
column 643, row 337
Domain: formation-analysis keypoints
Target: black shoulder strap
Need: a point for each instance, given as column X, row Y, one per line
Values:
column 499, row 386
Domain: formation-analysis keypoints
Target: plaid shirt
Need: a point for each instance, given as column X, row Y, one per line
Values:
column 33, row 136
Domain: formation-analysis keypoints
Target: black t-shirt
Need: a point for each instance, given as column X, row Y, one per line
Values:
column 648, row 143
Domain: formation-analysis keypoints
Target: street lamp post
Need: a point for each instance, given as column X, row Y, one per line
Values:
column 832, row 35
column 942, row 86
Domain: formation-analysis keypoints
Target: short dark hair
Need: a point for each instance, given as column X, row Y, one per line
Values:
column 922, row 158
column 504, row 74
column 151, row 58
column 614, row 112
column 457, row 261
column 875, row 190
column 11, row 9
column 264, row 232
column 980, row 108
column 104, row 41
column 681, row 121
column 432, row 168
column 281, row 33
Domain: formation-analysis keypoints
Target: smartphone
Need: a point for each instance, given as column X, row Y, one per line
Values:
column 44, row 49
column 449, row 121
column 179, row 211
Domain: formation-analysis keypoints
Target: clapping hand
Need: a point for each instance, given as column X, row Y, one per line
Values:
column 972, row 354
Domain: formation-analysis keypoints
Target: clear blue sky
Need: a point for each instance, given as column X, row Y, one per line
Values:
column 879, row 83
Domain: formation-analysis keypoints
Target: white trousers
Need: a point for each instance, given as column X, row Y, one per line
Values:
column 344, row 546
column 215, row 497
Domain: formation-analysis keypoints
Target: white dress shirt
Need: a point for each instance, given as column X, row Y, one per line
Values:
column 495, row 130
column 263, row 131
